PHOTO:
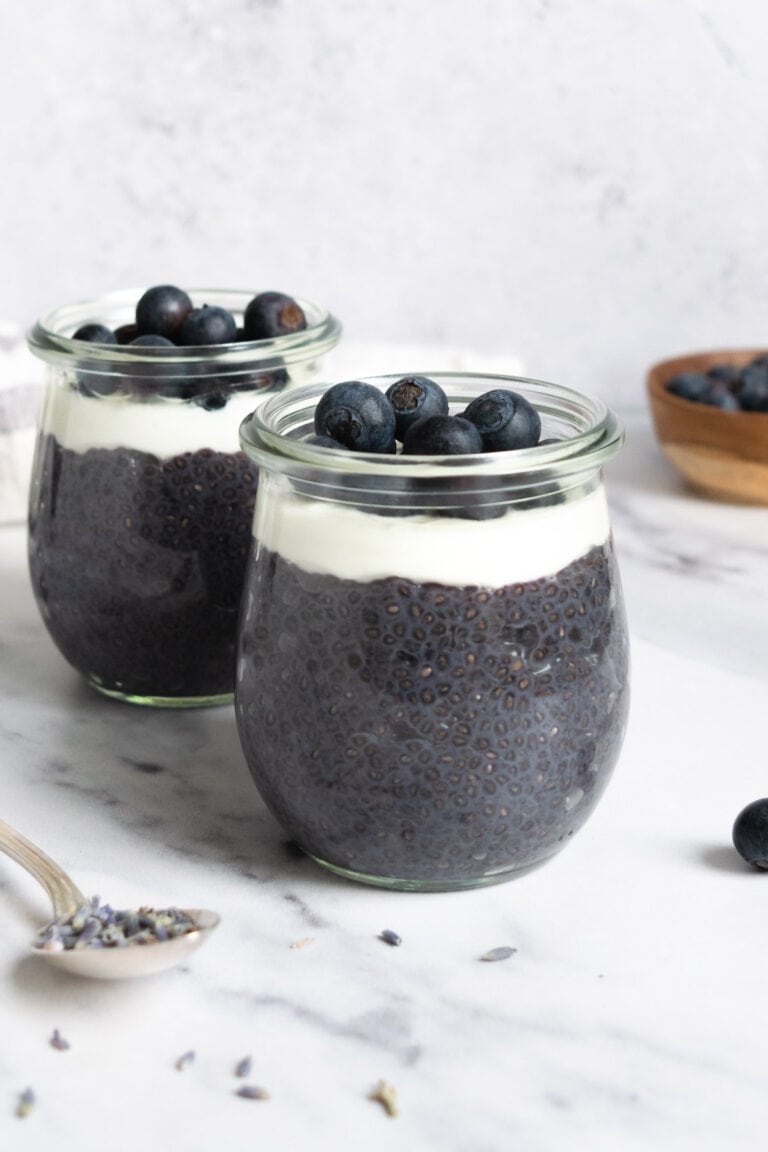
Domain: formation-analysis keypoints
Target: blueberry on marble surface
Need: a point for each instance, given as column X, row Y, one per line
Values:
column 750, row 833
column 162, row 310
column 272, row 314
column 208, row 324
column 95, row 334
column 358, row 415
column 505, row 420
column 442, row 436
column 414, row 398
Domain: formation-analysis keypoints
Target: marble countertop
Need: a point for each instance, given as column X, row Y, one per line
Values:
column 632, row 1014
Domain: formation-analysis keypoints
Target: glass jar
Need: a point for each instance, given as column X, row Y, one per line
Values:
column 141, row 501
column 432, row 677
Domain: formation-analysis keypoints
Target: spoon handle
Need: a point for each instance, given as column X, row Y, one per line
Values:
column 65, row 896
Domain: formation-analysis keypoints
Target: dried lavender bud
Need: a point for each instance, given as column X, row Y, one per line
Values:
column 97, row 925
column 390, row 937
column 27, row 1100
column 252, row 1092
column 58, row 1042
column 502, row 953
column 185, row 1060
column 243, row 1067
column 303, row 942
column 385, row 1095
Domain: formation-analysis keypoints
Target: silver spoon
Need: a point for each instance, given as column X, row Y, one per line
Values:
column 114, row 963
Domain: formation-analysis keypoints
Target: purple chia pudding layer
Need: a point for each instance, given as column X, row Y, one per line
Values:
column 137, row 564
column 427, row 733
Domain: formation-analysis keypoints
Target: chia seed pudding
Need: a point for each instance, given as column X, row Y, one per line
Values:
column 141, row 502
column 432, row 675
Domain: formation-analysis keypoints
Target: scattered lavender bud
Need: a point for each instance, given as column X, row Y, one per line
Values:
column 502, row 953
column 303, row 942
column 252, row 1092
column 58, row 1042
column 185, row 1060
column 385, row 1095
column 243, row 1067
column 26, row 1103
column 390, row 937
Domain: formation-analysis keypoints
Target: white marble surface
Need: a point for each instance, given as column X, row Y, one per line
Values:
column 632, row 1015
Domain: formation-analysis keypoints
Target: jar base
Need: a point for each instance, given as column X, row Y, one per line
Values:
column 164, row 701
column 395, row 884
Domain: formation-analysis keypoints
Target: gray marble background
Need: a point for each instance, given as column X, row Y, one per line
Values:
column 580, row 184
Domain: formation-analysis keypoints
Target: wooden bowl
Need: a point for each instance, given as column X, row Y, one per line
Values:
column 721, row 453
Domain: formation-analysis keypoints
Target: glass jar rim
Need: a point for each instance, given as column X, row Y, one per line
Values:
column 50, row 338
column 598, row 434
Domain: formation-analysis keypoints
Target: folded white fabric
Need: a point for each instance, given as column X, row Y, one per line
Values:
column 21, row 391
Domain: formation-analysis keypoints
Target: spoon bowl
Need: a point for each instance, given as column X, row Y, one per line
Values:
column 102, row 963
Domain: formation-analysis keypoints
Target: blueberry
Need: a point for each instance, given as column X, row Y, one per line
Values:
column 162, row 310
column 413, row 398
column 324, row 441
column 207, row 325
column 728, row 373
column 212, row 401
column 95, row 334
column 358, row 415
column 442, row 436
column 151, row 340
column 504, row 420
column 689, row 385
column 272, row 314
column 720, row 395
column 750, row 833
column 125, row 333
column 753, row 393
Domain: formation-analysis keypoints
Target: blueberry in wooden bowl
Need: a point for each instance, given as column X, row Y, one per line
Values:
column 710, row 414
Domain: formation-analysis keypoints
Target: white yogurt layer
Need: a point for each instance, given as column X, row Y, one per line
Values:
column 342, row 541
column 162, row 427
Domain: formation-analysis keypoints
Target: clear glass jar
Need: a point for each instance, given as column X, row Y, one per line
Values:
column 432, row 678
column 141, row 501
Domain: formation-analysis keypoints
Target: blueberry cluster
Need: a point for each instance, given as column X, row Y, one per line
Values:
column 166, row 316
column 414, row 412
column 726, row 386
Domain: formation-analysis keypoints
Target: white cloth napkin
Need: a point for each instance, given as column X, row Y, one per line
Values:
column 21, row 391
